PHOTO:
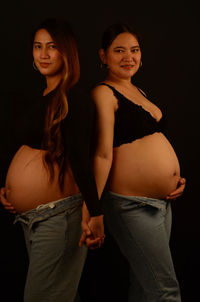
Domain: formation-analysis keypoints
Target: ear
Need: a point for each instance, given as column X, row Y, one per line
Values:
column 102, row 56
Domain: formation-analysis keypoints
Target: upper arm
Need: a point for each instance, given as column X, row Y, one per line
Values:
column 105, row 105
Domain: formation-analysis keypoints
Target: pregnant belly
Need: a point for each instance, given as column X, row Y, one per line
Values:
column 27, row 181
column 146, row 167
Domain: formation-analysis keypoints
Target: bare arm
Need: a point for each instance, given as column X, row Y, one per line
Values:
column 105, row 104
column 105, row 107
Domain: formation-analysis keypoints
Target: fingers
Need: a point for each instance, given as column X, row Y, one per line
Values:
column 7, row 205
column 3, row 191
column 96, row 226
column 174, row 197
column 85, row 228
column 82, row 239
column 4, row 200
column 10, row 209
column 93, row 232
column 93, row 243
column 101, row 240
column 179, row 190
column 182, row 180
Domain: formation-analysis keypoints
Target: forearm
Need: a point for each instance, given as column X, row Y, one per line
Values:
column 101, row 166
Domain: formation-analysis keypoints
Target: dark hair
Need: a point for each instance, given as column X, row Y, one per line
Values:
column 62, row 35
column 113, row 31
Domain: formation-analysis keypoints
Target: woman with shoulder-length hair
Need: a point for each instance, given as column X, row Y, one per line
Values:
column 137, row 169
column 50, row 174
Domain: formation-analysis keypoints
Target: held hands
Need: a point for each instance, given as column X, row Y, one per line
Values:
column 7, row 205
column 179, row 190
column 93, row 230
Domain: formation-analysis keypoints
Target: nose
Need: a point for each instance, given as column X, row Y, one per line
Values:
column 128, row 56
column 44, row 53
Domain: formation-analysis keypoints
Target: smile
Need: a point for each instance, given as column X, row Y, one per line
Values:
column 44, row 65
column 127, row 66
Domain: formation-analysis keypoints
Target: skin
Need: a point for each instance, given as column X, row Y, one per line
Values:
column 48, row 59
column 123, row 59
column 49, row 62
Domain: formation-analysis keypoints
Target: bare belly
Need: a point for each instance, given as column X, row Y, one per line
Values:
column 27, row 181
column 146, row 167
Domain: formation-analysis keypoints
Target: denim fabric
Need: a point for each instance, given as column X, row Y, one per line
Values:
column 141, row 226
column 52, row 232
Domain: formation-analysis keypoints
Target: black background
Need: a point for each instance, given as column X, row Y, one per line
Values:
column 170, row 75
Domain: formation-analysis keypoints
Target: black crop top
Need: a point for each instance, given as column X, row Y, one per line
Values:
column 27, row 129
column 132, row 121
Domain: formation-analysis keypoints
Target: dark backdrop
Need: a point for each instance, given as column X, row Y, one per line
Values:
column 170, row 34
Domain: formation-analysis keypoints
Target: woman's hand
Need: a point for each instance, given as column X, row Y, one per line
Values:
column 93, row 230
column 179, row 190
column 7, row 205
column 84, row 224
column 96, row 226
column 96, row 239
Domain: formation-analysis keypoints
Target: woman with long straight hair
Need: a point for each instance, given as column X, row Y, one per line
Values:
column 50, row 174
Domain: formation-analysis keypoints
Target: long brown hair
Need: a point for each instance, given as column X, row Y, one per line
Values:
column 57, row 110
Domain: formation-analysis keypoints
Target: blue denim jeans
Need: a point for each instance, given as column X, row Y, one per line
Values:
column 141, row 226
column 52, row 232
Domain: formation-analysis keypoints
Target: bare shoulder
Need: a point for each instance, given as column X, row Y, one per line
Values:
column 101, row 90
column 103, row 94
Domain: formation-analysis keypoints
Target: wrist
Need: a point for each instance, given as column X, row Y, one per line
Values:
column 99, row 217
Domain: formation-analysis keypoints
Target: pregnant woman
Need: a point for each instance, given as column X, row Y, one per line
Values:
column 50, row 174
column 137, row 170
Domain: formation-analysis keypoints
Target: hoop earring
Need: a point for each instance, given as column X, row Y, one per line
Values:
column 141, row 63
column 34, row 66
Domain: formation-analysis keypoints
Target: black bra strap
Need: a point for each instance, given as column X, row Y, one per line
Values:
column 114, row 90
column 111, row 87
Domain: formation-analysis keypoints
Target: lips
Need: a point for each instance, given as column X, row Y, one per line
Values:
column 44, row 65
column 127, row 66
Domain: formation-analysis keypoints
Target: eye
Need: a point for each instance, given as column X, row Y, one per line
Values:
column 119, row 50
column 52, row 46
column 135, row 50
column 37, row 46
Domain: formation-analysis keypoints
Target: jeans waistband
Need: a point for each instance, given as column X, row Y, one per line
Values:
column 44, row 211
column 158, row 203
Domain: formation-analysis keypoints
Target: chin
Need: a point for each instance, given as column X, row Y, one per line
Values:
column 45, row 72
column 127, row 76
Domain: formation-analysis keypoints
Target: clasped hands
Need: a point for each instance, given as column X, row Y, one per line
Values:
column 93, row 230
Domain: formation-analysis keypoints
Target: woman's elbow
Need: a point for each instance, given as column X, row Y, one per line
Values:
column 106, row 156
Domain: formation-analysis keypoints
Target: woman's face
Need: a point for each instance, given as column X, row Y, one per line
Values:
column 123, row 56
column 47, row 58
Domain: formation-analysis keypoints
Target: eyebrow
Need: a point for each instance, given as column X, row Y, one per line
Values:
column 137, row 46
column 37, row 42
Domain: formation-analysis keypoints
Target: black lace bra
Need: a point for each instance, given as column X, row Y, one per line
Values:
column 132, row 121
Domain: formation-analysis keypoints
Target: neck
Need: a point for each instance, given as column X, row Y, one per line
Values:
column 119, row 81
column 52, row 83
